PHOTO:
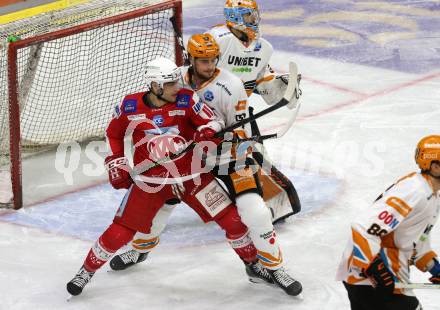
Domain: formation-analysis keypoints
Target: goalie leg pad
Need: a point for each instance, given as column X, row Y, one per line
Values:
column 257, row 217
column 243, row 180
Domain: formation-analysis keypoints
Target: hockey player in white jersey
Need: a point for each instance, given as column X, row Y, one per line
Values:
column 392, row 235
column 246, row 54
column 225, row 95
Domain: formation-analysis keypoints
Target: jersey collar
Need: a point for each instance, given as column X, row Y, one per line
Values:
column 188, row 79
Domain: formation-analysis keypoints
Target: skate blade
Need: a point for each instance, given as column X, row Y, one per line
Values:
column 260, row 281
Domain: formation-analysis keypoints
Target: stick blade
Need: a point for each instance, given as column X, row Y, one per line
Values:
column 293, row 84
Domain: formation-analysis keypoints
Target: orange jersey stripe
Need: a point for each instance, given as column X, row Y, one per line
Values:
column 399, row 205
column 363, row 245
column 423, row 261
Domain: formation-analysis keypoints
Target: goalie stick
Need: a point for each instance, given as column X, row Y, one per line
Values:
column 280, row 213
column 276, row 175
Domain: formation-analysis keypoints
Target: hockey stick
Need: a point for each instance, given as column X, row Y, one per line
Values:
column 179, row 39
column 402, row 285
column 288, row 96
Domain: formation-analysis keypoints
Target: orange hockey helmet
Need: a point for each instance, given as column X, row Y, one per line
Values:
column 244, row 16
column 427, row 151
column 203, row 46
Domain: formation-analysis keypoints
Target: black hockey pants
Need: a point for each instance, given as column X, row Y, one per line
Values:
column 365, row 297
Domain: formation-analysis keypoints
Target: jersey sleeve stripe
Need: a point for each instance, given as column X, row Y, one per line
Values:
column 387, row 241
column 362, row 255
column 268, row 260
column 241, row 105
column 265, row 79
column 391, row 256
column 399, row 205
column 142, row 244
column 423, row 261
column 353, row 280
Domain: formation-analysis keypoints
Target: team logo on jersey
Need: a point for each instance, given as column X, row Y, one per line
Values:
column 208, row 95
column 129, row 105
column 183, row 100
column 163, row 146
column 257, row 47
column 213, row 198
column 244, row 61
column 158, row 120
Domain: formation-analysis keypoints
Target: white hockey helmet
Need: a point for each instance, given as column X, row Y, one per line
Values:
column 161, row 70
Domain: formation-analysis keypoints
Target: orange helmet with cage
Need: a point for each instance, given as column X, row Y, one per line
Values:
column 428, row 151
column 203, row 46
column 244, row 16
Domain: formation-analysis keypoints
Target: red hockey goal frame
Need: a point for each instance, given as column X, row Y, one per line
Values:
column 14, row 107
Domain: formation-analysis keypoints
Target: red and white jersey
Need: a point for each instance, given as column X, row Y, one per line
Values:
column 250, row 63
column 225, row 95
column 159, row 132
column 397, row 226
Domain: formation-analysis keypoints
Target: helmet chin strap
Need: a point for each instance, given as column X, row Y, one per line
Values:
column 242, row 36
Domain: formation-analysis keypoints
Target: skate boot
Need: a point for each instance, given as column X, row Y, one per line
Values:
column 286, row 282
column 257, row 273
column 127, row 259
column 77, row 284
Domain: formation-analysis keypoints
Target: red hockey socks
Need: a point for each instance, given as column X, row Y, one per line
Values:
column 115, row 237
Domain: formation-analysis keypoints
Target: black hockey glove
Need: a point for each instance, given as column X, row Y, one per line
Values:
column 380, row 276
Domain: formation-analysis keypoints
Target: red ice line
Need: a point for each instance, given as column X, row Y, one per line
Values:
column 364, row 97
column 361, row 97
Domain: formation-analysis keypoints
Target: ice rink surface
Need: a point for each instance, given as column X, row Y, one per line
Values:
column 371, row 90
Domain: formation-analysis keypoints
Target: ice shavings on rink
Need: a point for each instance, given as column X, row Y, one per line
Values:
column 86, row 214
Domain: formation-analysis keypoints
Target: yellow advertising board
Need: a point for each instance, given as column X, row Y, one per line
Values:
column 56, row 5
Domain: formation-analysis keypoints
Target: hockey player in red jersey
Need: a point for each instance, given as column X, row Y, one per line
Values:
column 392, row 235
column 161, row 122
column 225, row 94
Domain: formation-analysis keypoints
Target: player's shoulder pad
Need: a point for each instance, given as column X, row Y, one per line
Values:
column 265, row 45
column 130, row 103
column 410, row 189
column 229, row 82
column 186, row 98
